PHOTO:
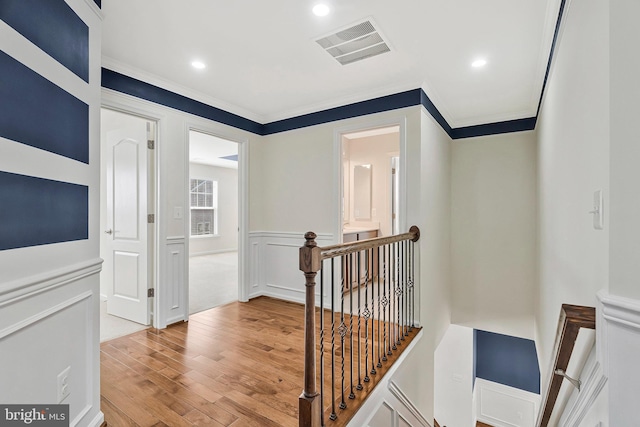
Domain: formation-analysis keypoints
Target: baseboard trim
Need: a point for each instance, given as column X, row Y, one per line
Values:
column 402, row 397
column 587, row 396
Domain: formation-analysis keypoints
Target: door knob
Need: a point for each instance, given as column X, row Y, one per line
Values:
column 109, row 231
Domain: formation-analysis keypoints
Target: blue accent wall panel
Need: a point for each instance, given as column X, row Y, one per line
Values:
column 36, row 211
column 507, row 360
column 125, row 84
column 54, row 27
column 36, row 112
column 98, row 2
column 372, row 106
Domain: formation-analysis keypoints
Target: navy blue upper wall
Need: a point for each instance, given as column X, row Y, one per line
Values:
column 36, row 112
column 506, row 360
column 54, row 27
column 36, row 211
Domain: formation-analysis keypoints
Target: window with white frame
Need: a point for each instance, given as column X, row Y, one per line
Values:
column 204, row 206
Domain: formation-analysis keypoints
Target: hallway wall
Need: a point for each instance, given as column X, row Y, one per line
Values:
column 49, row 193
column 493, row 237
column 573, row 162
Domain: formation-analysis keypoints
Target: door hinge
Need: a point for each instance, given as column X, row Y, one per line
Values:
column 151, row 292
column 393, row 171
column 151, row 219
column 151, row 144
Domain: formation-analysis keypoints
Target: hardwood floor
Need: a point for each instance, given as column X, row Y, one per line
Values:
column 236, row 365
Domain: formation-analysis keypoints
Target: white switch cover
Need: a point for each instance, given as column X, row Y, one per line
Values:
column 598, row 212
column 177, row 212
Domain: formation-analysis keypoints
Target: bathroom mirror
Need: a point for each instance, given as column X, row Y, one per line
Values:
column 362, row 192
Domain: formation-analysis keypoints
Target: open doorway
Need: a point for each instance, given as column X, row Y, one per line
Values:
column 127, row 207
column 370, row 187
column 213, row 219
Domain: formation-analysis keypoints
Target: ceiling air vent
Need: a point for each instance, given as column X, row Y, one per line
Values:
column 353, row 44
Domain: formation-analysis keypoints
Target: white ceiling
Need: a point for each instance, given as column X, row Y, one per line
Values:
column 263, row 63
column 209, row 150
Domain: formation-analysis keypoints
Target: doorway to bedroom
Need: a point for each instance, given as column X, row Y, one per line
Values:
column 213, row 219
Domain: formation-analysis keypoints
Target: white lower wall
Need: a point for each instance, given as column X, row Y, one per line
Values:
column 173, row 289
column 503, row 406
column 274, row 269
column 47, row 324
column 453, row 378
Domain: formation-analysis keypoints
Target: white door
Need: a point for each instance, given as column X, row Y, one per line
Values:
column 126, row 248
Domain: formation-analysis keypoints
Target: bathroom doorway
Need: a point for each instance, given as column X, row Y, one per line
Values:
column 370, row 184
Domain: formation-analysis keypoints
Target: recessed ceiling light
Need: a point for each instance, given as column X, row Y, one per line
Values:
column 321, row 9
column 479, row 63
column 197, row 64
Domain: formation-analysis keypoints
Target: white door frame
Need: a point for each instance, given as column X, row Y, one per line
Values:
column 401, row 122
column 243, row 202
column 113, row 104
column 131, row 105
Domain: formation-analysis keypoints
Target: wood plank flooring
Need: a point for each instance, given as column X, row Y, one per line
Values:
column 236, row 365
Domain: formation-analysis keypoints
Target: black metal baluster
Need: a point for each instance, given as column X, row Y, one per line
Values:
column 385, row 301
column 365, row 313
column 342, row 329
column 333, row 415
column 380, row 307
column 351, row 394
column 407, row 289
column 322, row 342
column 373, row 308
column 394, row 284
column 403, row 284
column 359, row 386
column 412, row 284
column 390, row 300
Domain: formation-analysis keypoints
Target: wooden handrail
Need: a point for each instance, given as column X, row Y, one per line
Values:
column 328, row 252
column 311, row 257
column 572, row 318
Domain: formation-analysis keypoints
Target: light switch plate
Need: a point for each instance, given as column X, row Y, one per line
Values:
column 598, row 210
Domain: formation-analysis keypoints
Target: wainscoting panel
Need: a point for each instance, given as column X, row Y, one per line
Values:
column 618, row 329
column 175, row 305
column 275, row 269
column 49, row 192
column 503, row 406
column 45, row 331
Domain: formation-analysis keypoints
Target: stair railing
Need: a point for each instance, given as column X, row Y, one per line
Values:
column 373, row 283
column 572, row 318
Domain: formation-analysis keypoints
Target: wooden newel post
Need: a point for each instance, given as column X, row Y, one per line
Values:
column 309, row 401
